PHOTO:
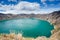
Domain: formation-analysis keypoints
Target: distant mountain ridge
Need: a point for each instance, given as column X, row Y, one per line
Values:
column 53, row 15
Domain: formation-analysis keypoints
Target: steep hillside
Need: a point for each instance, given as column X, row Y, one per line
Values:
column 55, row 20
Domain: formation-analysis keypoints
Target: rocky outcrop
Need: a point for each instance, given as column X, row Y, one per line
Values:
column 55, row 36
column 55, row 17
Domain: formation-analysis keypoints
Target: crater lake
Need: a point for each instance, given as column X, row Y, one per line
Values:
column 29, row 27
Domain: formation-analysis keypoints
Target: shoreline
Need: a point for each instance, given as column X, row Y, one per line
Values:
column 29, row 38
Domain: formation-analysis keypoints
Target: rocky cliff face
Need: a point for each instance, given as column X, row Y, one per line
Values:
column 7, row 16
column 55, row 17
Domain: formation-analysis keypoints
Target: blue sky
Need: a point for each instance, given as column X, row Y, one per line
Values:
column 29, row 6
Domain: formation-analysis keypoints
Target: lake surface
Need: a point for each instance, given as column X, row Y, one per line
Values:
column 29, row 27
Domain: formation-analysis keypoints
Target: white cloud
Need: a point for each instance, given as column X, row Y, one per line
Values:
column 27, row 6
column 22, row 7
column 44, row 3
column 6, row 7
column 48, row 0
column 43, row 0
column 12, row 0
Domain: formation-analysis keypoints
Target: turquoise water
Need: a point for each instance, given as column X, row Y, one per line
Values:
column 29, row 27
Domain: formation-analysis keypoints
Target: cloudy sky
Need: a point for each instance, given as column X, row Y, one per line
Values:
column 29, row 6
